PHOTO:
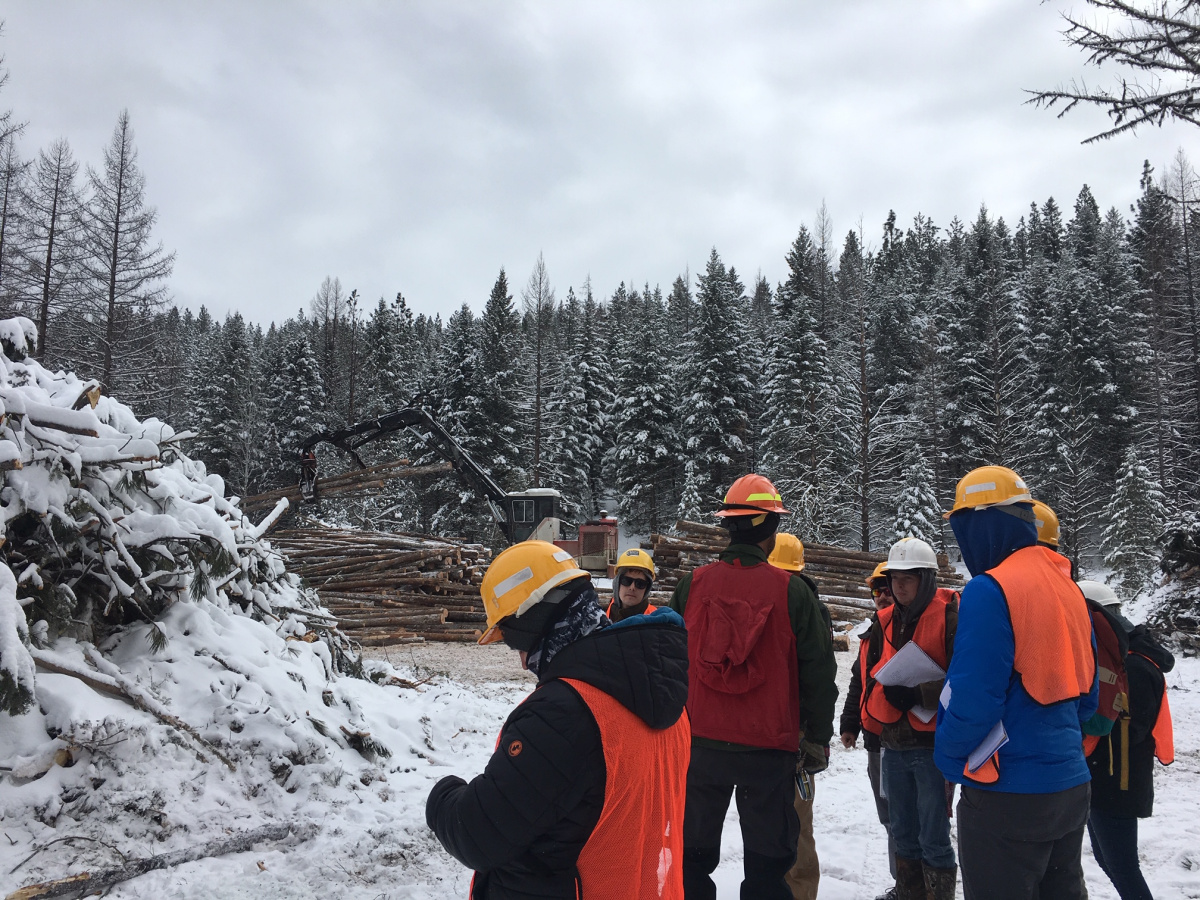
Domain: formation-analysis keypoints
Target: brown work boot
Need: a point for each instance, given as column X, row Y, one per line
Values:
column 910, row 879
column 940, row 883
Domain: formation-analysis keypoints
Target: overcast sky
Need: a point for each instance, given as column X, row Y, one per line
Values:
column 420, row 146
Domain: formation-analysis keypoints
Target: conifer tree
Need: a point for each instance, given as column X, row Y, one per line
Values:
column 126, row 273
column 918, row 512
column 1134, row 516
column 51, row 246
column 499, row 385
column 645, row 450
column 714, row 408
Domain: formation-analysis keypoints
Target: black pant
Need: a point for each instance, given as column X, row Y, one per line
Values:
column 765, row 790
column 1022, row 846
column 1115, row 846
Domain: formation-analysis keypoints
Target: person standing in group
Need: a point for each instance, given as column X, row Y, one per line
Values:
column 804, row 877
column 761, row 673
column 631, row 585
column 851, row 723
column 584, row 795
column 1020, row 685
column 903, row 716
column 1122, row 763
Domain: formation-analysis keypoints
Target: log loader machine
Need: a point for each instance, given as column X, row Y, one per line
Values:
column 519, row 515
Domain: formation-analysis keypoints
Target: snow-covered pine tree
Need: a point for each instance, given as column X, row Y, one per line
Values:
column 645, row 448
column 1134, row 514
column 297, row 408
column 918, row 511
column 499, row 435
column 717, row 393
column 463, row 413
column 799, row 427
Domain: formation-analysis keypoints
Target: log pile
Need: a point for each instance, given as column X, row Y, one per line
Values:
column 386, row 588
column 839, row 573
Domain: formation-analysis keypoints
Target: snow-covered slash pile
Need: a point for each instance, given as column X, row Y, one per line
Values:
column 160, row 691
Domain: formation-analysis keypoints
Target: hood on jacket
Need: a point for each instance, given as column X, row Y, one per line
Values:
column 1141, row 641
column 642, row 662
column 988, row 536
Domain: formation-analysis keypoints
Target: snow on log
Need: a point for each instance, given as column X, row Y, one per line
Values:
column 16, row 664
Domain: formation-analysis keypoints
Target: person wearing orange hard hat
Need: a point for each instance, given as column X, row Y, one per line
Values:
column 1021, row 683
column 592, row 766
column 761, row 694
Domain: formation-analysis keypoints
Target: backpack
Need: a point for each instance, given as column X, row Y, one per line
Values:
column 1112, row 643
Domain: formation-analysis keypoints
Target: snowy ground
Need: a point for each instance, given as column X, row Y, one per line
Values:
column 372, row 841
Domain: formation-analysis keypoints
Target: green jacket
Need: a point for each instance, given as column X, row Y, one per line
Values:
column 814, row 648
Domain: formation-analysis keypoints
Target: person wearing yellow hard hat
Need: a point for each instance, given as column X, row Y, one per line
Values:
column 1022, row 682
column 631, row 585
column 1046, row 522
column 592, row 766
column 761, row 695
column 804, row 877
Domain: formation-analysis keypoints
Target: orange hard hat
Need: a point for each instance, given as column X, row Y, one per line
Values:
column 752, row 494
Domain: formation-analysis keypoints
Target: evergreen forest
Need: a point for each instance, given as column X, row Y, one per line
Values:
column 884, row 366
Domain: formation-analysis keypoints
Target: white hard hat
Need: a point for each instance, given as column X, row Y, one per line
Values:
column 1099, row 592
column 911, row 553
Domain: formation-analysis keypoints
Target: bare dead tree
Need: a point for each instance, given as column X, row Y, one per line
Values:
column 1159, row 40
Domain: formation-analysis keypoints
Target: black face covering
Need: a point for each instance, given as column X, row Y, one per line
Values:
column 742, row 529
column 524, row 632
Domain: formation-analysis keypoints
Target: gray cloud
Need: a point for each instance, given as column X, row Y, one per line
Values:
column 420, row 146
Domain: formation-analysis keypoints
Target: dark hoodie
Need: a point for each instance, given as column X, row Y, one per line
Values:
column 1145, row 664
column 522, row 824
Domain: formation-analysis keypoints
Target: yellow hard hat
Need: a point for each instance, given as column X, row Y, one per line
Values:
column 634, row 558
column 1046, row 522
column 880, row 572
column 520, row 577
column 788, row 553
column 989, row 486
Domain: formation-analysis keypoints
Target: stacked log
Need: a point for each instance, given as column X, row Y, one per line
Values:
column 389, row 588
column 840, row 573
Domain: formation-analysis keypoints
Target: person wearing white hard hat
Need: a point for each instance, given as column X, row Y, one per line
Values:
column 902, row 716
column 1122, row 762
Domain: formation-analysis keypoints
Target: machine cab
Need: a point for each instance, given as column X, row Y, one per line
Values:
column 526, row 509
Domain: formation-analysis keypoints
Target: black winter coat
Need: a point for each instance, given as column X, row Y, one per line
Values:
column 1146, row 686
column 522, row 824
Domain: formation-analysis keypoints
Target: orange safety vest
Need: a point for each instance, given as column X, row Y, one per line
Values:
column 1052, row 633
column 1164, row 727
column 645, row 791
column 650, row 608
column 930, row 636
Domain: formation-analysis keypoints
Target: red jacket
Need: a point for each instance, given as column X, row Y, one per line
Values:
column 742, row 670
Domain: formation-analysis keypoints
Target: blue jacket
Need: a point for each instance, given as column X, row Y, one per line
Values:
column 1044, row 753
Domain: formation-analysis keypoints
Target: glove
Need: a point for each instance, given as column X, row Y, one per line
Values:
column 813, row 757
column 903, row 698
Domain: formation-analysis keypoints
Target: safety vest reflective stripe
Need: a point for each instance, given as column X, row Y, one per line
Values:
column 1052, row 631
column 636, row 849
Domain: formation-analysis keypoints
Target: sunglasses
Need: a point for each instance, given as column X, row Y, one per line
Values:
column 880, row 591
column 640, row 583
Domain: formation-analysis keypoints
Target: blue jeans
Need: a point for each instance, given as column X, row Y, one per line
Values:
column 916, row 797
column 1114, row 844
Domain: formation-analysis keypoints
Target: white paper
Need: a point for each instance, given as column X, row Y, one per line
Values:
column 922, row 713
column 944, row 696
column 996, row 739
column 909, row 667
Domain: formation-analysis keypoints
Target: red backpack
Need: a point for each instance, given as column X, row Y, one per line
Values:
column 1112, row 643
